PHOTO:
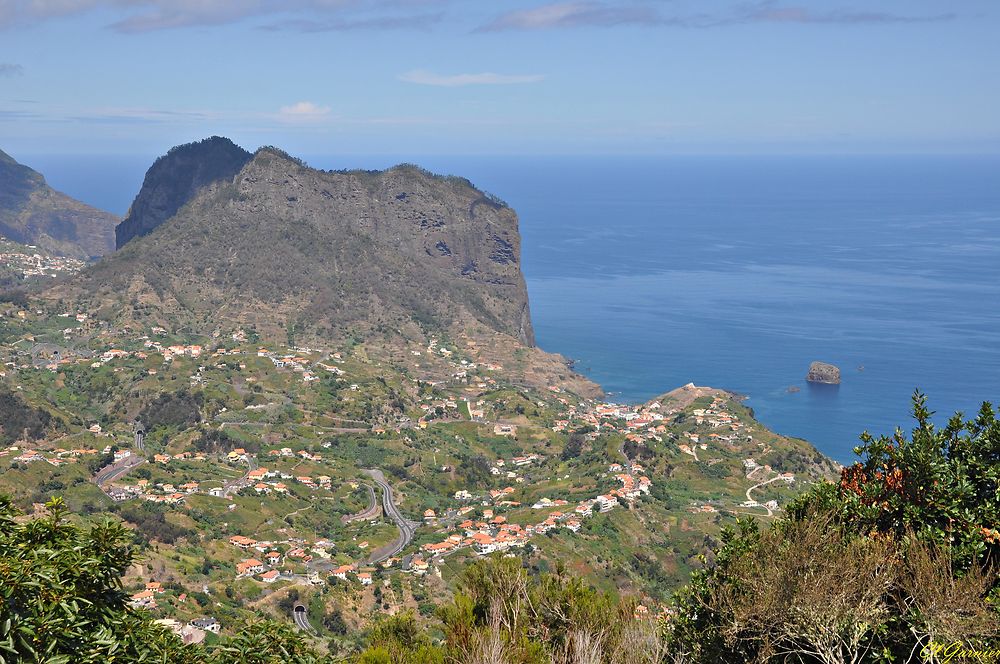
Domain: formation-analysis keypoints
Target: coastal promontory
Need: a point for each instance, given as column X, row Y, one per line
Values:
column 219, row 235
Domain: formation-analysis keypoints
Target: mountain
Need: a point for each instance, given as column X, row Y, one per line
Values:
column 33, row 213
column 219, row 236
column 175, row 178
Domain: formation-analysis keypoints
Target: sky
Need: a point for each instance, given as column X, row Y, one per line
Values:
column 481, row 77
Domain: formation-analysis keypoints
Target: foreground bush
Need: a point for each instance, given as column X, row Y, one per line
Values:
column 896, row 563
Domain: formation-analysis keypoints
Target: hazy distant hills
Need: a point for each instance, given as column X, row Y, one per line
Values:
column 33, row 213
column 219, row 236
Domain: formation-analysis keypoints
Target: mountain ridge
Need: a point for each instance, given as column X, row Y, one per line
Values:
column 282, row 246
column 33, row 213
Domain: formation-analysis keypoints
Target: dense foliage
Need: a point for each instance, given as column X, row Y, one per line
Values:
column 941, row 484
column 502, row 614
column 63, row 603
column 896, row 563
column 177, row 409
column 62, row 595
column 18, row 420
column 151, row 523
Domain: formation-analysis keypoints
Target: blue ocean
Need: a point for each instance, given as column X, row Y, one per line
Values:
column 737, row 272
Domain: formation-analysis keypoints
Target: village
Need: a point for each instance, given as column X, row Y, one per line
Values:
column 15, row 257
column 302, row 466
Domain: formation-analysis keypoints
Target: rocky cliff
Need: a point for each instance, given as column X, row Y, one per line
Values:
column 33, row 213
column 284, row 247
column 821, row 372
column 176, row 178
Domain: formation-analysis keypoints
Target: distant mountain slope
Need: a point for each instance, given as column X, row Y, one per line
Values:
column 175, row 178
column 284, row 247
column 33, row 213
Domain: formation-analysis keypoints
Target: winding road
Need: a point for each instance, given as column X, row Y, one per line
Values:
column 370, row 512
column 406, row 527
column 750, row 498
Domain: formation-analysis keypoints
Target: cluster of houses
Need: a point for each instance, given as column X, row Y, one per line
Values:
column 56, row 458
column 192, row 632
column 169, row 352
column 37, row 265
column 494, row 533
column 163, row 493
column 296, row 363
column 259, row 480
column 644, row 423
column 258, row 477
column 638, row 423
column 146, row 599
column 269, row 556
column 345, row 572
column 500, row 465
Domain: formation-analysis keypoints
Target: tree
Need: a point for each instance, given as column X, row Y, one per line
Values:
column 941, row 484
column 266, row 642
column 573, row 446
column 399, row 640
column 18, row 419
column 62, row 602
column 334, row 621
column 62, row 596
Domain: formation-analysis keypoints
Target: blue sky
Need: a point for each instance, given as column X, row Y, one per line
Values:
column 505, row 77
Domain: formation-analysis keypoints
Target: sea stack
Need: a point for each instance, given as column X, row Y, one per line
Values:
column 821, row 372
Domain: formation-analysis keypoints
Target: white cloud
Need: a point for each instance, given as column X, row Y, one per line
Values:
column 422, row 77
column 573, row 14
column 546, row 16
column 304, row 111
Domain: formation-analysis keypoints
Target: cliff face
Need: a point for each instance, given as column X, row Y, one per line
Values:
column 176, row 178
column 31, row 212
column 281, row 246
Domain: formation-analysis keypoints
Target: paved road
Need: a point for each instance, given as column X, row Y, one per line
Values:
column 236, row 485
column 301, row 618
column 770, row 512
column 406, row 527
column 117, row 469
column 370, row 512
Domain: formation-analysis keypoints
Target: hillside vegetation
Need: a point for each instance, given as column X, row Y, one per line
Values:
column 895, row 563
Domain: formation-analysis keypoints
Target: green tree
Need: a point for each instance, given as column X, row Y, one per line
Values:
column 266, row 642
column 62, row 596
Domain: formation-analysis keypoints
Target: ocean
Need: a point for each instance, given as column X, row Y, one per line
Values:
column 737, row 272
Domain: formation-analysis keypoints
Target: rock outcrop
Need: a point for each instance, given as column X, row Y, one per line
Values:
column 821, row 372
column 33, row 213
column 175, row 178
column 290, row 249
